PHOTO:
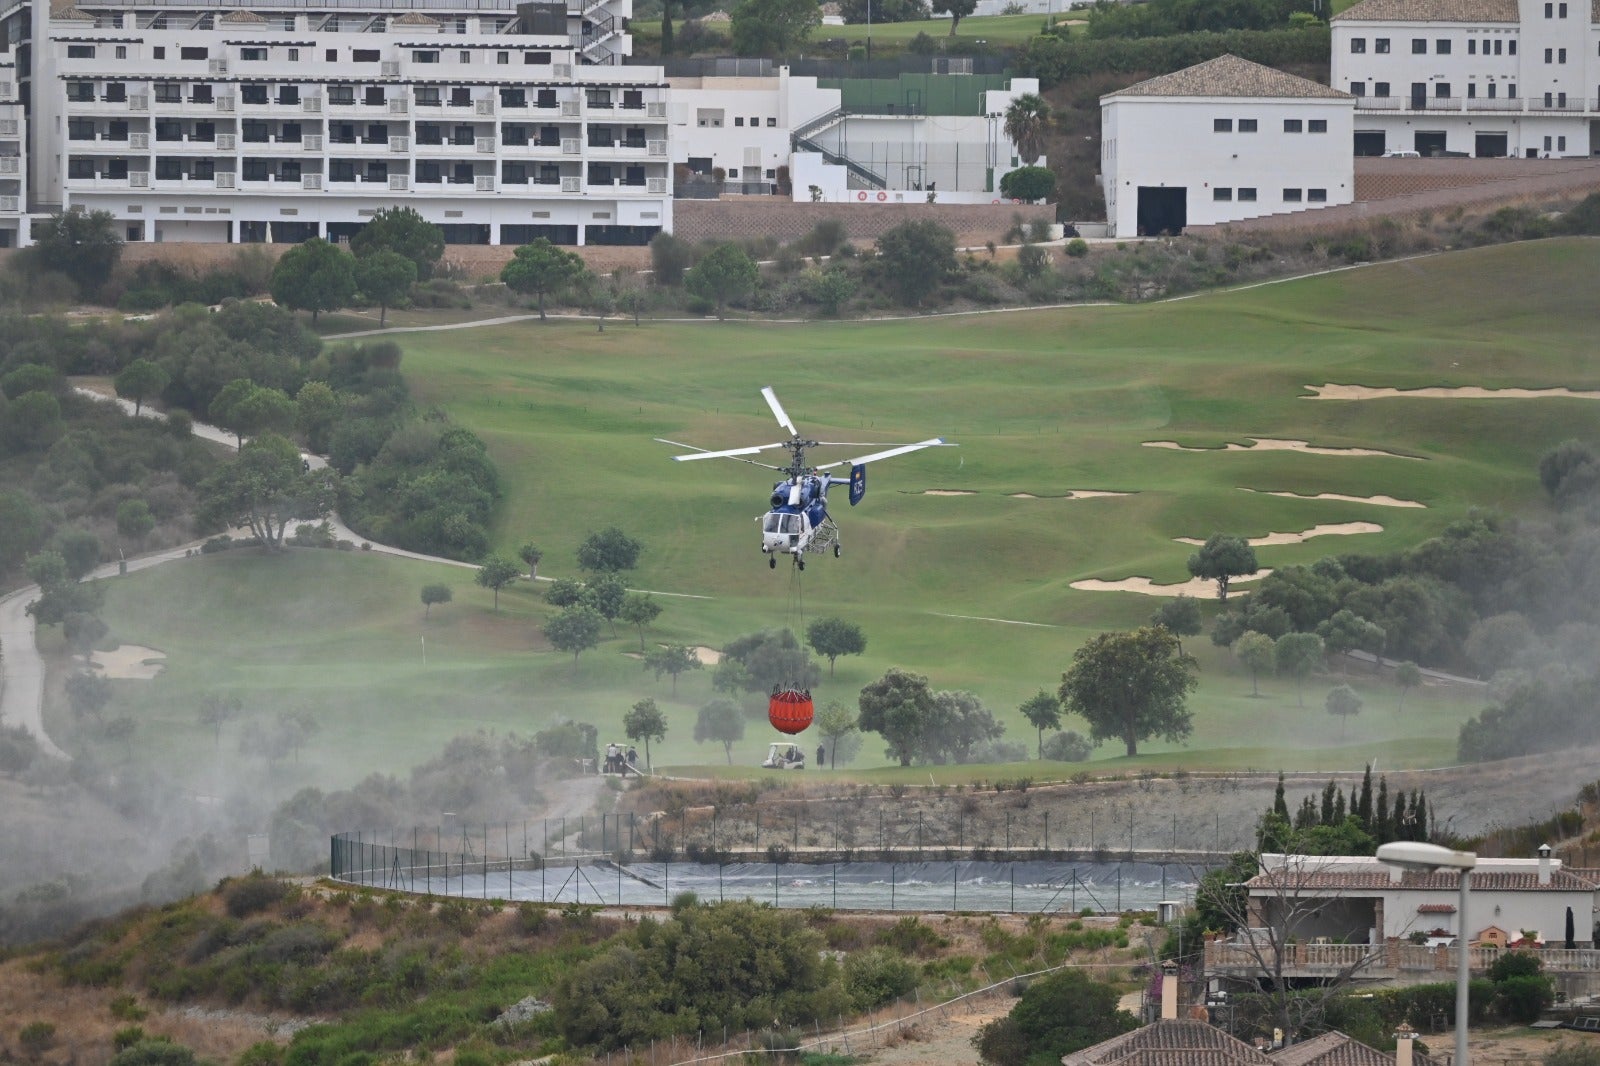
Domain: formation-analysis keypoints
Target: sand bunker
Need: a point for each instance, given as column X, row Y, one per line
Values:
column 1376, row 501
column 1070, row 494
column 1338, row 529
column 708, row 656
column 129, row 662
column 1463, row 392
column 1268, row 444
column 1198, row 588
column 948, row 492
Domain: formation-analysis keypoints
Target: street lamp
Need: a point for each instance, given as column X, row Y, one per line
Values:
column 1427, row 858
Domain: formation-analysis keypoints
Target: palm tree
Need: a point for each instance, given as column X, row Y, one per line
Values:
column 1027, row 119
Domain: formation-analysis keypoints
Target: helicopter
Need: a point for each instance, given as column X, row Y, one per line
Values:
column 797, row 519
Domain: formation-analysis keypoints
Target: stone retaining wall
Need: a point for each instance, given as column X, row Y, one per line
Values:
column 738, row 219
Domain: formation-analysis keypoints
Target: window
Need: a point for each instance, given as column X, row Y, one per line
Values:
column 600, row 174
column 341, row 170
column 1317, row 125
column 1292, row 125
column 1547, row 144
column 428, row 173
column 1380, row 88
column 1358, row 45
column 1549, row 10
column 1358, row 88
column 1561, row 100
column 463, row 57
column 549, row 136
column 1492, row 88
column 1419, row 46
column 341, row 133
column 341, row 95
column 430, row 133
column 82, row 129
column 1561, row 55
column 194, row 53
column 289, row 171
column 601, row 137
column 461, row 96
column 738, row 120
column 294, row 55
column 252, row 55
column 168, row 168
column 1317, row 196
column 203, row 169
column 427, row 95
column 331, row 55
column 513, row 98
column 374, row 96
column 172, row 130
column 601, row 98
column 1549, row 55
column 1472, row 46
column 78, row 167
column 503, row 59
column 1561, row 144
column 1222, row 125
column 461, row 135
column 169, row 92
column 116, row 168
column 288, row 95
column 158, row 52
column 549, row 174
column 515, row 136
column 377, row 173
column 1247, row 125
column 1472, row 90
column 1441, row 89
column 513, row 173
column 1563, row 10
column 116, row 92
column 632, row 100
column 1441, row 47
column 1511, row 91
column 1247, row 195
column 253, row 94
column 425, row 56
column 1219, row 193
column 80, row 92
column 80, row 51
column 545, row 98
column 377, row 133
column 1511, row 47
column 1381, row 45
column 1291, row 196
column 1549, row 99
column 536, row 59
column 288, row 133
column 200, row 94
column 772, row 122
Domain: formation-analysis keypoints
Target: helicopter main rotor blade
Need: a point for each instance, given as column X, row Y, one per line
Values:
column 936, row 442
column 778, row 412
column 727, row 453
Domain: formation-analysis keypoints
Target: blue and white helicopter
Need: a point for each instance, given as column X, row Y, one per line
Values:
column 797, row 520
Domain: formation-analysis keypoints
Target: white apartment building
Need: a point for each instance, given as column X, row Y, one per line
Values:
column 1222, row 141
column 1472, row 77
column 13, row 158
column 282, row 121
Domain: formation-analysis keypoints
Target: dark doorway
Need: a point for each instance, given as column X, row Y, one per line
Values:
column 628, row 235
column 1429, row 142
column 465, row 233
column 514, row 234
column 292, row 232
column 1162, row 211
column 1419, row 96
column 1490, row 146
column 341, row 232
column 1369, row 142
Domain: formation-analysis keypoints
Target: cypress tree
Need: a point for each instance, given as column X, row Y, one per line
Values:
column 1338, row 808
column 1327, row 804
column 1306, row 816
column 1280, row 806
column 1380, row 817
column 1419, row 815
column 1397, row 818
column 1364, row 804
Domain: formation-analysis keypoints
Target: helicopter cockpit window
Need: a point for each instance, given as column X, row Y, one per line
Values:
column 781, row 523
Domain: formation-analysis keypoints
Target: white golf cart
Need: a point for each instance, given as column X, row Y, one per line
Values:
column 781, row 756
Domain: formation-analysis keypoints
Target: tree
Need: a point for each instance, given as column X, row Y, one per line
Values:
column 726, row 272
column 916, row 257
column 645, row 722
column 139, row 379
column 496, row 573
column 1069, row 746
column 32, row 422
column 602, row 304
column 1343, row 701
column 539, row 267
column 432, row 594
column 1028, row 184
column 317, row 410
column 134, row 520
column 245, row 409
column 672, row 659
column 1043, row 711
column 773, row 27
column 669, row 257
column 385, row 277
column 564, row 592
column 87, row 693
column 1026, row 123
column 1296, row 655
column 81, row 551
column 633, row 301
column 639, row 609
column 1408, row 677
column 1057, row 1015
column 1131, row 686
column 1223, row 558
column 83, row 245
column 761, row 662
column 1181, row 617
column 835, row 722
column 897, row 706
column 958, row 725
column 830, row 288
column 1347, row 631
column 956, row 9
column 576, row 629
column 833, row 637
column 720, row 720
column 265, row 488
column 83, row 630
column 217, row 710
column 405, row 231
column 1255, row 651
column 609, row 551
column 22, row 528
column 315, row 276
column 531, row 553
column 605, row 594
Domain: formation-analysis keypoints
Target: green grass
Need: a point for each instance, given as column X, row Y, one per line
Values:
column 1041, row 402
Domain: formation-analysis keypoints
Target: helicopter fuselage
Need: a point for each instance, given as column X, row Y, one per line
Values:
column 799, row 511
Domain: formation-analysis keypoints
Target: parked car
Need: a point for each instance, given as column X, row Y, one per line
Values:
column 1402, row 153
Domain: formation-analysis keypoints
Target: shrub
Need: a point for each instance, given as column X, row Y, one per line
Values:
column 154, row 1053
column 264, row 1053
column 36, row 1038
column 1028, row 183
column 125, row 1008
column 1515, row 964
column 909, row 936
column 1522, row 999
column 877, row 976
column 126, row 1037
column 1068, row 746
column 252, row 894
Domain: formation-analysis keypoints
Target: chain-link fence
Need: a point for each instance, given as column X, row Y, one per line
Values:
column 621, row 860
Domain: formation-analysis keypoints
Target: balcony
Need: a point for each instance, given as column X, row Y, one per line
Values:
column 1480, row 104
column 1395, row 961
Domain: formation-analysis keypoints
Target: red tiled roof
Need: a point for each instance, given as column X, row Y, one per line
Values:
column 1183, row 1042
column 1336, row 1049
column 1437, row 908
column 1482, row 880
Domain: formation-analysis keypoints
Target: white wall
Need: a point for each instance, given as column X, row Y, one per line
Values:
column 758, row 116
column 1171, row 142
